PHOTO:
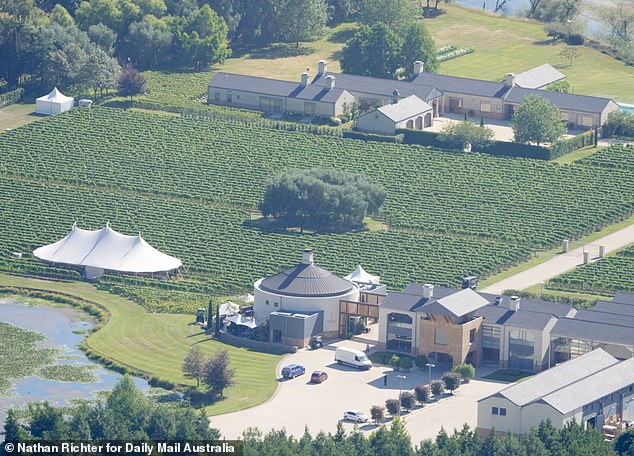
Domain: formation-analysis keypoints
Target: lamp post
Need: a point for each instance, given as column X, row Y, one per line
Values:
column 429, row 366
column 400, row 390
column 541, row 290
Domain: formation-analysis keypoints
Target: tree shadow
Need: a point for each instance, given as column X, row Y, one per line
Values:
column 547, row 42
column 281, row 50
column 200, row 399
column 431, row 13
column 121, row 104
column 342, row 36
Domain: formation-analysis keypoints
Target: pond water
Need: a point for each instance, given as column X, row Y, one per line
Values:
column 57, row 324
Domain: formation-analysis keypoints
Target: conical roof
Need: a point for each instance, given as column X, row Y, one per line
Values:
column 360, row 275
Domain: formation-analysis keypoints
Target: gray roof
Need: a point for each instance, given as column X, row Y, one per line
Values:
column 593, row 387
column 405, row 108
column 592, row 330
column 556, row 377
column 533, row 305
column 605, row 317
column 624, row 298
column 529, row 320
column 614, row 307
column 411, row 299
column 457, row 304
column 566, row 101
column 275, row 87
column 306, row 280
column 378, row 86
column 457, row 84
column 539, row 77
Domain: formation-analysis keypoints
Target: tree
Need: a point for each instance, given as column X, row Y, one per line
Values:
column 423, row 393
column 406, row 363
column 466, row 371
column 106, row 12
column 148, row 42
column 395, row 362
column 131, row 83
column 393, row 13
column 46, row 422
column 408, row 400
column 13, row 431
column 16, row 19
column 217, row 374
column 451, row 381
column 377, row 412
column 302, row 20
column 618, row 19
column 194, row 363
column 393, row 406
column 620, row 123
column 103, row 37
column 203, row 38
column 60, row 16
column 372, row 51
column 562, row 86
column 418, row 45
column 570, row 53
column 437, row 387
column 101, row 72
column 421, row 362
column 537, row 120
column 623, row 445
column 459, row 135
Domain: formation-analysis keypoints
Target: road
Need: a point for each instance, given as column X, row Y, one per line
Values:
column 563, row 262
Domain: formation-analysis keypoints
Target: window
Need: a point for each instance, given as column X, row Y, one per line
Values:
column 472, row 336
column 275, row 304
column 442, row 338
column 565, row 115
column 229, row 98
column 494, row 410
column 217, row 96
column 585, row 120
column 485, row 106
column 267, row 302
column 502, row 411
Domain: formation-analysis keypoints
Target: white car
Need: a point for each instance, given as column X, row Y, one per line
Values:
column 355, row 415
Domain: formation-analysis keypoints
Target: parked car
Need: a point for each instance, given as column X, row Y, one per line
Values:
column 293, row 370
column 316, row 342
column 355, row 415
column 318, row 377
column 351, row 357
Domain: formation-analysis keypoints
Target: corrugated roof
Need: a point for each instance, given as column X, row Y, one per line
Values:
column 405, row 108
column 614, row 307
column 378, row 86
column 457, row 84
column 593, row 387
column 539, row 77
column 306, row 280
column 557, row 377
column 592, row 330
column 456, row 304
column 566, row 101
column 275, row 87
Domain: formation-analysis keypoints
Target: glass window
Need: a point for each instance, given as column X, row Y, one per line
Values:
column 442, row 337
column 494, row 410
column 472, row 335
column 502, row 411
column 216, row 96
column 229, row 98
column 275, row 304
column 267, row 302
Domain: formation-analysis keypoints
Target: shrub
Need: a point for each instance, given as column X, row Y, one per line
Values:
column 421, row 361
column 437, row 387
column 408, row 400
column 451, row 380
column 377, row 412
column 395, row 362
column 393, row 406
column 620, row 123
column 423, row 393
column 466, row 371
column 397, row 139
column 459, row 135
column 406, row 363
column 9, row 98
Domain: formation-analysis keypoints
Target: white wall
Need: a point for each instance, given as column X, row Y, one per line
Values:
column 376, row 122
column 488, row 421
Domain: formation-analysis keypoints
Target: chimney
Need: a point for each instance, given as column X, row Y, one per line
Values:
column 322, row 67
column 305, row 79
column 330, row 82
column 428, row 290
column 307, row 256
column 419, row 67
column 395, row 96
column 514, row 303
column 510, row 79
column 498, row 300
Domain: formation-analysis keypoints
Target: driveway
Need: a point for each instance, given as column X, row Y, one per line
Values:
column 298, row 404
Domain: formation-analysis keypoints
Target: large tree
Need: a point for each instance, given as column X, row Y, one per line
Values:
column 393, row 13
column 148, row 42
column 619, row 22
column 537, row 120
column 131, row 83
column 193, row 364
column 373, row 51
column 459, row 134
column 16, row 19
column 203, row 38
column 302, row 20
column 418, row 45
column 101, row 72
column 217, row 374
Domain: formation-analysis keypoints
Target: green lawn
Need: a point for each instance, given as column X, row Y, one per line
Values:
column 504, row 45
column 508, row 375
column 156, row 343
column 16, row 115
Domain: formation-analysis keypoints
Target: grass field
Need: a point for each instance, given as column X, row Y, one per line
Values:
column 508, row 375
column 16, row 115
column 157, row 343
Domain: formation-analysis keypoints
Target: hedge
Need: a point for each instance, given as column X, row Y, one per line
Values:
column 11, row 97
column 398, row 138
column 421, row 137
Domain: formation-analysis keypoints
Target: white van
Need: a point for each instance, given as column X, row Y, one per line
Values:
column 351, row 357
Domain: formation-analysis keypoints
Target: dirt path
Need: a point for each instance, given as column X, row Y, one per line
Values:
column 563, row 262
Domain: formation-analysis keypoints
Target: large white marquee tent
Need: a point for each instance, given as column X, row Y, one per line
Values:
column 106, row 249
column 53, row 103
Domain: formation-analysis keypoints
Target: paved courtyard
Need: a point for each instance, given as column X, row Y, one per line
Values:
column 298, row 404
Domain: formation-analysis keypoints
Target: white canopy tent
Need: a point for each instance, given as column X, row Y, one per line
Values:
column 53, row 103
column 228, row 308
column 359, row 275
column 106, row 249
column 241, row 320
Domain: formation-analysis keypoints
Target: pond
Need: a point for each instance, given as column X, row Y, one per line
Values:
column 61, row 329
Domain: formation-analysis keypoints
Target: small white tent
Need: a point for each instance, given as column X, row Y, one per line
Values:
column 53, row 103
column 359, row 275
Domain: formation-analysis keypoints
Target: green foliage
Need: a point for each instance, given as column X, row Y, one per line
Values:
column 565, row 146
column 131, row 83
column 418, row 45
column 216, row 373
column 322, row 199
column 451, row 380
column 406, row 363
column 537, row 120
column 193, row 364
column 395, row 362
column 393, row 13
column 359, row 54
column 393, row 406
column 11, row 97
column 459, row 134
column 302, row 20
column 396, row 139
column 377, row 412
column 624, row 443
column 614, row 156
column 421, row 361
column 408, row 400
column 423, row 393
column 60, row 15
column 562, row 86
column 69, row 373
column 466, row 371
column 203, row 38
column 437, row 387
column 619, row 124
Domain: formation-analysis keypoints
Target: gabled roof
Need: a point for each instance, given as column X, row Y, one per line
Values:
column 456, row 304
column 557, row 377
column 457, row 84
column 539, row 77
column 405, row 108
column 107, row 249
column 533, row 305
column 592, row 387
column 566, row 101
column 275, row 87
column 593, row 330
column 530, row 320
column 411, row 299
column 378, row 86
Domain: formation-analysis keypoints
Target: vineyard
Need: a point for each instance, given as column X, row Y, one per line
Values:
column 607, row 275
column 191, row 186
column 615, row 156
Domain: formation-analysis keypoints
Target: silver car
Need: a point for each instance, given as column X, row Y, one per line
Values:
column 355, row 415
